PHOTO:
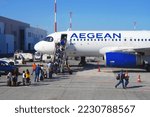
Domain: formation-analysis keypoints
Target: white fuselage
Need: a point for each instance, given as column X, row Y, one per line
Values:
column 95, row 43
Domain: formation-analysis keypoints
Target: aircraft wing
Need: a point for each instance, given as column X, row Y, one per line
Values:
column 124, row 49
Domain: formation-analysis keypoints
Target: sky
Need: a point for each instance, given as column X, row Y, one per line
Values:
column 86, row 14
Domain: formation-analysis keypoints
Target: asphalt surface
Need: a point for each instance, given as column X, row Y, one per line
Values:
column 86, row 83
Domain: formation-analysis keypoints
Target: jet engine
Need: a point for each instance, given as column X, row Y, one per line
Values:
column 122, row 59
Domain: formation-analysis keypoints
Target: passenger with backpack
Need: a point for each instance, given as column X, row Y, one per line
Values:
column 120, row 77
column 126, row 79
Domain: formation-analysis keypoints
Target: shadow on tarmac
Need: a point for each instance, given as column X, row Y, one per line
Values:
column 91, row 66
column 2, row 81
column 58, row 78
column 86, row 67
column 133, row 87
column 133, row 70
column 37, row 84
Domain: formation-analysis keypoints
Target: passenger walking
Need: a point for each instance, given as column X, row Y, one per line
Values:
column 63, row 41
column 45, row 71
column 120, row 77
column 55, row 67
column 37, row 72
column 15, row 77
column 126, row 79
column 9, row 79
column 33, row 68
column 24, row 78
column 27, row 74
column 49, row 67
column 41, row 74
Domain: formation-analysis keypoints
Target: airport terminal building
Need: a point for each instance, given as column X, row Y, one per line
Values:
column 17, row 35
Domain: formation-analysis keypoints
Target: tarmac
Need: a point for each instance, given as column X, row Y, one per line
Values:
column 86, row 83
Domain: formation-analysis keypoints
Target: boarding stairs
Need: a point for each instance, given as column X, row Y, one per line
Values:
column 59, row 61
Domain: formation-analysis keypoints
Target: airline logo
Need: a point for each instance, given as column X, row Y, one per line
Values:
column 96, row 35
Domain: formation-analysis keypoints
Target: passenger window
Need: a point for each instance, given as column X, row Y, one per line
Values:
column 145, row 39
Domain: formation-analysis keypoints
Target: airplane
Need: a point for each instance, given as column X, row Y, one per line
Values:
column 125, row 49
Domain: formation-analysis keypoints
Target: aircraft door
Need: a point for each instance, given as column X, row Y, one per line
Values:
column 70, row 48
column 63, row 40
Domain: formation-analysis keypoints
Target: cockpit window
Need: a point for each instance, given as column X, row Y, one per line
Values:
column 49, row 39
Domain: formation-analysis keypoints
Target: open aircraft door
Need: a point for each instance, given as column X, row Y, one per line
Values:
column 70, row 47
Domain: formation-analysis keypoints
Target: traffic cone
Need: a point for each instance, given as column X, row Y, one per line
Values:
column 139, row 79
column 98, row 67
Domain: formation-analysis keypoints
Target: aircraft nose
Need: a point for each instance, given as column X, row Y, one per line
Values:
column 45, row 47
column 37, row 47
